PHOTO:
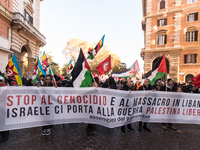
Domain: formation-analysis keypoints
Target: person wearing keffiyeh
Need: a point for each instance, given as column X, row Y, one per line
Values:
column 169, row 87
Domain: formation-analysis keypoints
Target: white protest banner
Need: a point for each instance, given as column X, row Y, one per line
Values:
column 25, row 107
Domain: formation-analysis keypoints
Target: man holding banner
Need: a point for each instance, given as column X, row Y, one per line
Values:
column 127, row 87
column 146, row 86
column 46, row 130
column 169, row 87
column 4, row 134
column 41, row 81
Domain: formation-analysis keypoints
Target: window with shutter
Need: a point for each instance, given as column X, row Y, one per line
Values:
column 196, row 16
column 162, row 4
column 165, row 39
column 165, row 21
column 162, row 22
column 28, row 17
column 192, row 17
column 191, row 1
column 25, row 13
column 190, row 58
column 195, row 58
column 185, row 59
column 31, row 20
column 162, row 39
column 191, row 36
column 196, row 36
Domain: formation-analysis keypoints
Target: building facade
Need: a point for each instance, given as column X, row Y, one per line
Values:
column 25, row 38
column 171, row 27
column 5, row 32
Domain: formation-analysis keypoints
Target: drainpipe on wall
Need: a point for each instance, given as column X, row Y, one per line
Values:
column 11, row 44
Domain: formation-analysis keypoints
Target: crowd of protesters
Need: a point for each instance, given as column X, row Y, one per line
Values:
column 110, row 83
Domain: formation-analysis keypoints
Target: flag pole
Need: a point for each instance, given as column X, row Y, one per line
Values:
column 93, row 79
column 53, row 77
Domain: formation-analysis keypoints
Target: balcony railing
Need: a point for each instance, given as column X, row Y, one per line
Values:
column 24, row 23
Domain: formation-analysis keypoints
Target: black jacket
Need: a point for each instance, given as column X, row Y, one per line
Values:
column 144, row 88
column 173, row 89
column 125, row 88
column 50, row 84
column 66, row 83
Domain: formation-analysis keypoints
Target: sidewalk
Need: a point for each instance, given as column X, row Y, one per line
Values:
column 74, row 136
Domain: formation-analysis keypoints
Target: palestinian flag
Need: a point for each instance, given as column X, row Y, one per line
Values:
column 116, row 79
column 92, row 52
column 134, row 69
column 158, row 71
column 123, row 74
column 81, row 74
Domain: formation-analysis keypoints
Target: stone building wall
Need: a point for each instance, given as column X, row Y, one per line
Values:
column 176, row 47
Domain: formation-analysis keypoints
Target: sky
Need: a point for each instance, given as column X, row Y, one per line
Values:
column 89, row 20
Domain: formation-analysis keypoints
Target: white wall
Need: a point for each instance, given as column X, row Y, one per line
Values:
column 36, row 7
column 18, row 6
column 3, row 60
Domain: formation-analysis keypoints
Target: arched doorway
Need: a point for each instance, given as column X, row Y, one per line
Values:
column 188, row 78
column 26, row 62
column 164, row 78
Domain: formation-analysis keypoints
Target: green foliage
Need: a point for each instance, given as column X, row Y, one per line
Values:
column 63, row 70
column 72, row 49
column 55, row 68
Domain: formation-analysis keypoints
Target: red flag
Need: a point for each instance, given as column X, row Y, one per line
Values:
column 60, row 77
column 196, row 80
column 104, row 66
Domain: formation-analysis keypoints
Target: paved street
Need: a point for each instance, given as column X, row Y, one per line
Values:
column 73, row 136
